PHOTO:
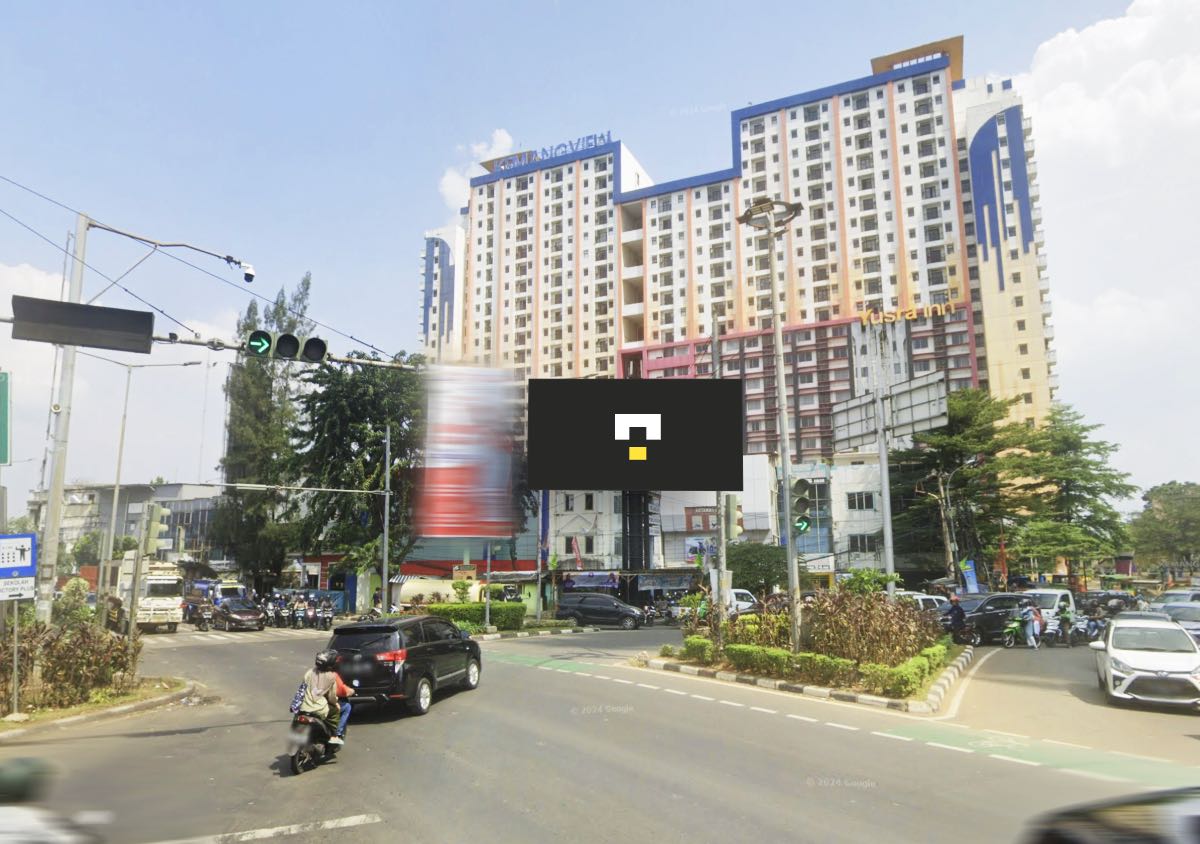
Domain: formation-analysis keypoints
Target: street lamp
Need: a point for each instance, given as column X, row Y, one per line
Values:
column 773, row 215
column 112, row 520
column 946, row 511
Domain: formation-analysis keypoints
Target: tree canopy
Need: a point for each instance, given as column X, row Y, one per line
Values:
column 1168, row 528
column 759, row 568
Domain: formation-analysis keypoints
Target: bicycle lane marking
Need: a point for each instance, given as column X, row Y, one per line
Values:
column 1098, row 764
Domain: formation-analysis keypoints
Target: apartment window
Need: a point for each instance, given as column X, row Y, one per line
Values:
column 1025, row 374
column 1020, row 325
column 1028, row 397
column 1023, row 349
column 862, row 543
column 567, row 544
column 860, row 500
column 589, row 501
column 616, row 504
column 1018, row 301
column 589, row 545
column 568, row 503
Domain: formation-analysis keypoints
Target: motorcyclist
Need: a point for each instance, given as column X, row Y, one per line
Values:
column 958, row 616
column 1094, row 615
column 323, row 687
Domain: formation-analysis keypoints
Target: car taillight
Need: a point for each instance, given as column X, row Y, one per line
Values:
column 392, row 656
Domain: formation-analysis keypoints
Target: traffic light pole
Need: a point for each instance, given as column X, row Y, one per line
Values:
column 719, row 598
column 885, row 487
column 136, row 588
column 387, row 506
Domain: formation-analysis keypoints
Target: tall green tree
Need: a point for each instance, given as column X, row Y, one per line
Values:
column 339, row 439
column 1067, row 485
column 759, row 568
column 1168, row 528
column 973, row 453
column 253, row 527
column 86, row 550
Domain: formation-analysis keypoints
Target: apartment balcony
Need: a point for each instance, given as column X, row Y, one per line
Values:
column 1048, row 331
column 633, row 309
column 1047, row 308
column 1052, row 380
column 1031, row 168
column 632, row 273
column 1041, row 260
column 1051, row 357
column 632, row 235
column 1037, row 216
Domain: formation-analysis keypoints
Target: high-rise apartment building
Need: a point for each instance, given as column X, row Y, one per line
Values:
column 919, row 212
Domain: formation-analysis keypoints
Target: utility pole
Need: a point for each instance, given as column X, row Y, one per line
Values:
column 719, row 592
column 135, row 591
column 947, row 539
column 487, row 595
column 105, row 559
column 387, row 507
column 885, row 489
column 62, row 429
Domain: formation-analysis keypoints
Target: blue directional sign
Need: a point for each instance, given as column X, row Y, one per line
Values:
column 18, row 566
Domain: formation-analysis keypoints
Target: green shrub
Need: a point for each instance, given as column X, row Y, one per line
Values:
column 823, row 670
column 744, row 657
column 470, row 627
column 908, row 677
column 666, row 650
column 936, row 655
column 75, row 659
column 698, row 649
column 461, row 588
column 505, row 616
column 876, row 678
column 868, row 628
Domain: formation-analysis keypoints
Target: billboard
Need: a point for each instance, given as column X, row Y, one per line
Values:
column 466, row 484
column 653, row 434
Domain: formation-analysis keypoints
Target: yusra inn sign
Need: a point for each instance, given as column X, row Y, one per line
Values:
column 906, row 314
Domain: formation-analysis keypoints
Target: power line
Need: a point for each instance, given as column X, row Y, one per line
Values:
column 112, row 281
column 196, row 267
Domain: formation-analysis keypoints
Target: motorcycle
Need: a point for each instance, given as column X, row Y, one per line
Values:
column 310, row 617
column 967, row 635
column 326, row 617
column 1014, row 631
column 308, row 743
column 279, row 615
column 297, row 617
column 650, row 614
column 203, row 616
column 1097, row 629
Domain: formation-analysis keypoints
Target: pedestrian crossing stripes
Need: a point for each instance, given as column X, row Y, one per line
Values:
column 185, row 638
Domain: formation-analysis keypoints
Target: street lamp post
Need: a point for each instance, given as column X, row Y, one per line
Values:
column 108, row 549
column 946, row 511
column 773, row 215
column 62, row 408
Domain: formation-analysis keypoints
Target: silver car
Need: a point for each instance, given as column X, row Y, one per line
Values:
column 1149, row 660
column 1186, row 616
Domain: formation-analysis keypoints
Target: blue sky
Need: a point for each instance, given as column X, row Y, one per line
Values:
column 303, row 139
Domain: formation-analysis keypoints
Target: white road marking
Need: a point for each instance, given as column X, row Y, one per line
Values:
column 1000, row 733
column 1140, row 756
column 563, row 671
column 891, row 736
column 545, row 668
column 601, row 677
column 952, row 711
column 1012, row 759
column 294, row 829
column 675, row 692
column 1066, row 744
column 1092, row 776
column 761, row 709
column 804, row 718
column 582, row 674
column 703, row 697
column 622, row 682
column 837, row 726
column 647, row 686
column 730, row 703
column 949, row 747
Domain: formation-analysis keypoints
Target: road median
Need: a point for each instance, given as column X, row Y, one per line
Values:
column 98, row 712
column 529, row 634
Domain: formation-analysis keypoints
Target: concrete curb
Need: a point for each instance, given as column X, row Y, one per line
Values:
column 102, row 714
column 931, row 704
column 528, row 634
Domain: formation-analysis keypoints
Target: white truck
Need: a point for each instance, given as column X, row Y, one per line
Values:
column 160, row 595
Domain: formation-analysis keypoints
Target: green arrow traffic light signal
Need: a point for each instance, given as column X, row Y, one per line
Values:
column 260, row 343
column 802, row 524
column 801, row 501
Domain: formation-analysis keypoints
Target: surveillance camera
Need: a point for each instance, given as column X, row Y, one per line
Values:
column 248, row 272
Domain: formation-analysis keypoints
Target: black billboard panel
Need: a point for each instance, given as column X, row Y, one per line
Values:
column 651, row 434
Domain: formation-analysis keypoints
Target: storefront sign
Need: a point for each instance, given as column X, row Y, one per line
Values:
column 905, row 314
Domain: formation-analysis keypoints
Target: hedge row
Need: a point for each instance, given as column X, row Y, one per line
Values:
column 505, row 616
column 900, row 681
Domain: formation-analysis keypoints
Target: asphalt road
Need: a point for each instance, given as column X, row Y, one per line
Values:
column 563, row 740
column 1051, row 693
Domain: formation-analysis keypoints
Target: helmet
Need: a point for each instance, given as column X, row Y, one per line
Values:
column 326, row 660
column 954, row 598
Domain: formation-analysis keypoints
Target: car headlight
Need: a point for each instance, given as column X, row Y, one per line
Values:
column 1117, row 665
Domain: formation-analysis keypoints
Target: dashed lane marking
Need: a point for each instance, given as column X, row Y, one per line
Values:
column 703, row 697
column 731, row 703
column 622, row 682
column 949, row 747
column 1066, row 744
column 648, row 686
column 804, row 718
column 675, row 692
column 837, row 726
column 279, row 831
column 1004, row 758
column 764, row 710
column 891, row 736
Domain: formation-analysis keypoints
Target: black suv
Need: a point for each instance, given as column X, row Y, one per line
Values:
column 987, row 613
column 406, row 659
column 598, row 608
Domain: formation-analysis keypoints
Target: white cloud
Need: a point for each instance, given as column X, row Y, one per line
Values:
column 455, row 184
column 1116, row 119
column 176, row 415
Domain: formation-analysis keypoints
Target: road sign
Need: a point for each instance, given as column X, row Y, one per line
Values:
column 18, row 566
column 5, row 419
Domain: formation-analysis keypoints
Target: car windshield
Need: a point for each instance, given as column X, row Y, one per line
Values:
column 1045, row 600
column 162, row 590
column 1156, row 639
column 968, row 605
column 239, row 605
column 366, row 640
column 1184, row 613
column 1175, row 597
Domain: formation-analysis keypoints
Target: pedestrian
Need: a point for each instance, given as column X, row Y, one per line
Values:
column 1029, row 616
column 1142, row 603
column 377, row 598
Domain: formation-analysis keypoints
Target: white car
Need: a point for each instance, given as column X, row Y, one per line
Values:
column 1149, row 660
column 925, row 602
column 1175, row 596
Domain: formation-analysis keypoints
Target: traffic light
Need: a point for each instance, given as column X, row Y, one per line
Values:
column 156, row 526
column 801, row 498
column 265, row 344
column 735, row 524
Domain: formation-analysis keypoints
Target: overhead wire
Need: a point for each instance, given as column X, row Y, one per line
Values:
column 196, row 267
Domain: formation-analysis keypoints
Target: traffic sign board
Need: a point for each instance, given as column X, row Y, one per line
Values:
column 18, row 566
column 5, row 419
